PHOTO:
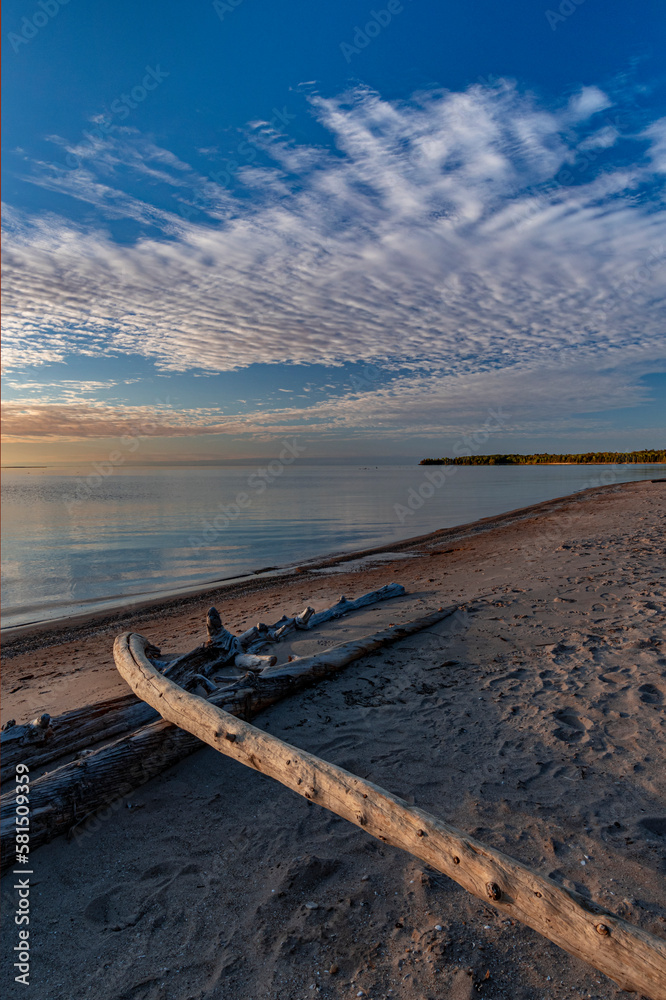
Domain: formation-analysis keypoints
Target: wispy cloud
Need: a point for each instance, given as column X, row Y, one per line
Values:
column 443, row 236
column 65, row 389
column 425, row 405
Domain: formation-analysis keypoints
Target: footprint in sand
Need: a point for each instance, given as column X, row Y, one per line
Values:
column 297, row 881
column 103, row 910
column 291, row 906
column 125, row 905
column 114, row 911
column 656, row 825
column 561, row 652
column 650, row 694
column 160, row 870
column 572, row 727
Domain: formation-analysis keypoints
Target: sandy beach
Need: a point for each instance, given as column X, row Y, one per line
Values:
column 533, row 718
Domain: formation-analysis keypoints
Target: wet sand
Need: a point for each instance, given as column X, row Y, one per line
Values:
column 533, row 718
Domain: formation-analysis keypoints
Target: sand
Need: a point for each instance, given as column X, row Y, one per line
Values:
column 533, row 718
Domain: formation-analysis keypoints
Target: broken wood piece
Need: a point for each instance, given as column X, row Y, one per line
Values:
column 260, row 634
column 221, row 639
column 303, row 620
column 251, row 661
column 213, row 623
column 39, row 731
column 59, row 799
column 632, row 957
column 300, row 621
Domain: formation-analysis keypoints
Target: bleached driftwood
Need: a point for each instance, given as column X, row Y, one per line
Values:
column 252, row 661
column 256, row 637
column 37, row 745
column 633, row 958
column 62, row 798
column 223, row 647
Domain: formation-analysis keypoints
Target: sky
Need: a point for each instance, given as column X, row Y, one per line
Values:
column 374, row 230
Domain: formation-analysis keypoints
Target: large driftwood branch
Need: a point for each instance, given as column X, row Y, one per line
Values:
column 223, row 648
column 62, row 798
column 37, row 743
column 633, row 958
column 255, row 638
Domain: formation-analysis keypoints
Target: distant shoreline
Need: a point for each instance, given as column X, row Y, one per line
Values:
column 646, row 457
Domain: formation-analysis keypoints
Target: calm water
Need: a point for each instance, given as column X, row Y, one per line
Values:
column 142, row 531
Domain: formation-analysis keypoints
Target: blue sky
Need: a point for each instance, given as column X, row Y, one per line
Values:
column 367, row 226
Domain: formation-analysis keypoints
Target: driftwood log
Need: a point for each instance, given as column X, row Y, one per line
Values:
column 633, row 958
column 256, row 637
column 38, row 743
column 47, row 739
column 62, row 799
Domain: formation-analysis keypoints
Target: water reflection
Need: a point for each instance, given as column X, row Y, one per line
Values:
column 141, row 531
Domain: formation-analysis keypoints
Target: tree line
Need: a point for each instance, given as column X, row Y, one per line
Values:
column 647, row 456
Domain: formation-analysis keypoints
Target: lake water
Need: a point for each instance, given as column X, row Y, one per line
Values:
column 77, row 541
